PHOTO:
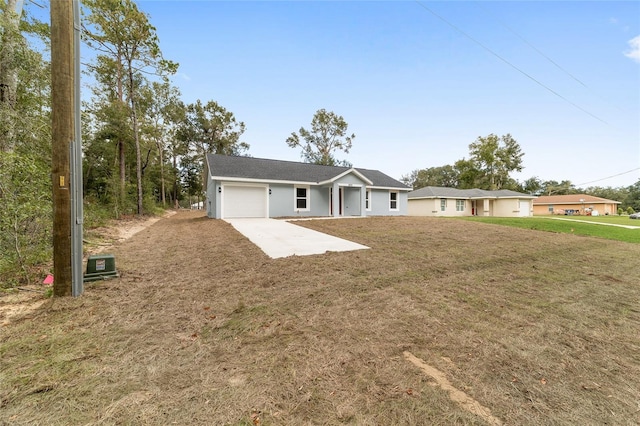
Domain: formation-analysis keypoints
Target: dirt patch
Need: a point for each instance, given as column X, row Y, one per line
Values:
column 103, row 238
column 455, row 394
column 19, row 304
column 203, row 328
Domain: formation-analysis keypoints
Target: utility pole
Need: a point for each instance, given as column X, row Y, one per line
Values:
column 63, row 108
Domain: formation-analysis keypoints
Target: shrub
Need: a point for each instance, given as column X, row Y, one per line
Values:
column 26, row 217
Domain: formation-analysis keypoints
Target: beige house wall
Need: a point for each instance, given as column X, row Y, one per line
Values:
column 602, row 208
column 509, row 207
column 505, row 208
column 423, row 207
column 432, row 207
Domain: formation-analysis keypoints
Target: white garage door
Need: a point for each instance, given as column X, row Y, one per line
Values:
column 244, row 201
column 524, row 208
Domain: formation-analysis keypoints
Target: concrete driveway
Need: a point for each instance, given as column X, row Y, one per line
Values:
column 278, row 238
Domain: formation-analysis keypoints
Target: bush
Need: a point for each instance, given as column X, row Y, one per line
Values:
column 26, row 217
column 96, row 214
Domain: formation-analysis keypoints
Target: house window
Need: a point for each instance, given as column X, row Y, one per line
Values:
column 443, row 204
column 301, row 198
column 459, row 205
column 551, row 208
column 367, row 200
column 393, row 200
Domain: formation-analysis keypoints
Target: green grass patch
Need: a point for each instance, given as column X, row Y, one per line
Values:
column 587, row 226
column 619, row 220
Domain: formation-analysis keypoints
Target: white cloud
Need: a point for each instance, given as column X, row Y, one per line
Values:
column 634, row 52
column 613, row 21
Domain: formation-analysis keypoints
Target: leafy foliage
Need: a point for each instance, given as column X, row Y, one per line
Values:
column 491, row 160
column 25, row 149
column 632, row 198
column 162, row 111
column 25, row 217
column 204, row 128
column 210, row 128
column 495, row 157
column 126, row 39
column 444, row 176
column 328, row 133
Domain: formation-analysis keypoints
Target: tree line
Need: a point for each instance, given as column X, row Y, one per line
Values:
column 143, row 147
column 492, row 160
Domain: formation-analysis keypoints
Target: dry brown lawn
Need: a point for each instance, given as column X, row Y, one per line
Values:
column 203, row 328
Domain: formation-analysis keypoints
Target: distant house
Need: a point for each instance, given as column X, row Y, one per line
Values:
column 573, row 204
column 255, row 187
column 439, row 201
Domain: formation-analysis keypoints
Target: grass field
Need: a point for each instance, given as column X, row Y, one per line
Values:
column 577, row 225
column 441, row 322
column 619, row 220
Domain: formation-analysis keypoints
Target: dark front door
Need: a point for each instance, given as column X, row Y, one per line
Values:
column 340, row 213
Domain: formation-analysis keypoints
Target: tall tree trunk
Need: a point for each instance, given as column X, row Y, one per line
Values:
column 121, row 150
column 175, row 183
column 9, row 73
column 136, row 137
column 122, row 172
column 160, row 151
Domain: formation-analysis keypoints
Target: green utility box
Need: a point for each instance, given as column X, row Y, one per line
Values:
column 100, row 267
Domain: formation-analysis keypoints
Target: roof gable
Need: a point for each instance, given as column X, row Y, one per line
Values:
column 347, row 172
column 249, row 168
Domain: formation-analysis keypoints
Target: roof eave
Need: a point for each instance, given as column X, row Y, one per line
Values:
column 390, row 188
column 254, row 180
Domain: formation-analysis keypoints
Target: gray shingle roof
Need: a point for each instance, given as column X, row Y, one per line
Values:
column 278, row 170
column 572, row 199
column 441, row 192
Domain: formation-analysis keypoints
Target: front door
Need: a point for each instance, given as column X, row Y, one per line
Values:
column 340, row 197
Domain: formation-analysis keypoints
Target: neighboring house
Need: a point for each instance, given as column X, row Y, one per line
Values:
column 574, row 204
column 438, row 201
column 255, row 187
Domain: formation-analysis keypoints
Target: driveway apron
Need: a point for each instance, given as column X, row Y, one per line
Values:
column 278, row 238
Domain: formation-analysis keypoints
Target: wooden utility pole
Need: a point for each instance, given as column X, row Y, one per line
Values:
column 62, row 112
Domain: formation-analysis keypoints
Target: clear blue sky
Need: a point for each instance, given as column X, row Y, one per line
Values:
column 414, row 89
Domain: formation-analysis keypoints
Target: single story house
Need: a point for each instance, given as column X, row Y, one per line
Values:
column 239, row 187
column 439, row 201
column 574, row 204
